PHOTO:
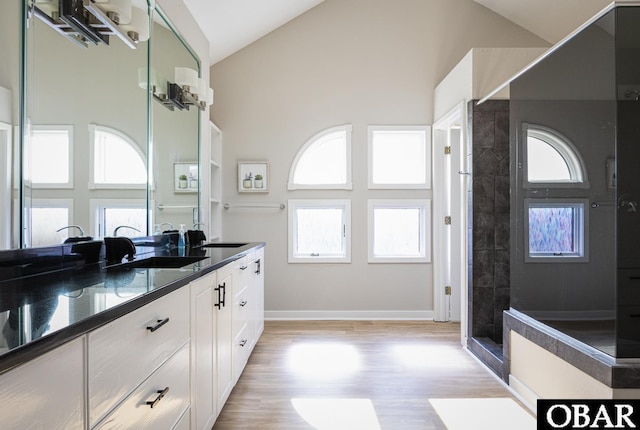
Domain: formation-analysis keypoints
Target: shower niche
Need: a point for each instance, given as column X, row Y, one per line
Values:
column 575, row 186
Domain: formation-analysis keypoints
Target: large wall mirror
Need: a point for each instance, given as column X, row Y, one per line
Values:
column 99, row 150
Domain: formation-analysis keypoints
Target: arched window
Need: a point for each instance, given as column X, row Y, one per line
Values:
column 117, row 159
column 551, row 159
column 324, row 161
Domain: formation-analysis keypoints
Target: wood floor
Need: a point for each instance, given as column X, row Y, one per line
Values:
column 369, row 375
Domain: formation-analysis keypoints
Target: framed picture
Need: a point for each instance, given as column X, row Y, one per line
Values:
column 253, row 176
column 185, row 177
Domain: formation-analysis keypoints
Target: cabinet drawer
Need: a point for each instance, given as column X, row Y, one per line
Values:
column 240, row 352
column 125, row 352
column 160, row 402
column 46, row 393
column 241, row 309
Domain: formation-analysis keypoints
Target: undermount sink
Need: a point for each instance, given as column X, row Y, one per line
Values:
column 223, row 245
column 168, row 262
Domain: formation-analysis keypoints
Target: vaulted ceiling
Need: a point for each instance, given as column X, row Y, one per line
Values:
column 230, row 25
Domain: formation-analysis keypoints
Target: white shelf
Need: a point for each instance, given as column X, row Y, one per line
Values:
column 215, row 184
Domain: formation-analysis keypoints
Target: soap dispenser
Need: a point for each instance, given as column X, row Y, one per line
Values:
column 181, row 241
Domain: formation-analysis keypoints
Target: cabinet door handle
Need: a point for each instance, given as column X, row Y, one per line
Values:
column 221, row 297
column 161, row 394
column 258, row 266
column 159, row 324
column 243, row 303
column 243, row 267
column 243, row 342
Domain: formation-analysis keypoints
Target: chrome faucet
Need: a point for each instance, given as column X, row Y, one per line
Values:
column 166, row 223
column 197, row 224
column 115, row 231
column 72, row 226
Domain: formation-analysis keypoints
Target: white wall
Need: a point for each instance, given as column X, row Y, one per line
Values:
column 345, row 61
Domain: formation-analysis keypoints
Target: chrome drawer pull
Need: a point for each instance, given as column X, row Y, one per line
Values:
column 161, row 394
column 243, row 342
column 157, row 326
column 243, row 303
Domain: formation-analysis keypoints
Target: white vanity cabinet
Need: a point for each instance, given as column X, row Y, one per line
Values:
column 256, row 318
column 203, row 352
column 45, row 393
column 124, row 353
column 241, row 309
column 170, row 364
column 222, row 298
column 159, row 402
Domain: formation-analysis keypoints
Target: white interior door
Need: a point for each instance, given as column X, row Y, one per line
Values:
column 450, row 220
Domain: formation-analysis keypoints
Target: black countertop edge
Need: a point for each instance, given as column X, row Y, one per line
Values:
column 591, row 361
column 34, row 349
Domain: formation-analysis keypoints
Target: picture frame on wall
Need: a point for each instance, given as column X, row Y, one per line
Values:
column 185, row 177
column 253, row 176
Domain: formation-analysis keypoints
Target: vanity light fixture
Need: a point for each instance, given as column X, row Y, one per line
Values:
column 187, row 90
column 93, row 21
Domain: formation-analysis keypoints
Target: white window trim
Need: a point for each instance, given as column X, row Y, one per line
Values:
column 96, row 206
column 41, row 203
column 581, row 236
column 427, row 154
column 424, row 205
column 344, row 204
column 567, row 150
column 108, row 186
column 348, row 185
column 61, row 185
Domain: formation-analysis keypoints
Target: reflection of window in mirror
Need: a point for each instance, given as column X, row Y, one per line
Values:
column 111, row 213
column 556, row 230
column 50, row 156
column 48, row 216
column 551, row 159
column 117, row 159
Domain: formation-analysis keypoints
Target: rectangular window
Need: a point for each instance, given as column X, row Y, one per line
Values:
column 319, row 231
column 48, row 216
column 111, row 213
column 399, row 157
column 399, row 231
column 556, row 230
column 49, row 156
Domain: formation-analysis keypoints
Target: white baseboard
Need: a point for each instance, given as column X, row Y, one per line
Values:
column 348, row 315
column 524, row 393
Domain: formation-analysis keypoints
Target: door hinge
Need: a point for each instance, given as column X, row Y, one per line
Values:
column 447, row 150
column 447, row 290
column 447, row 220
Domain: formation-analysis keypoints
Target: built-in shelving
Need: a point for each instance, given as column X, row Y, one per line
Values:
column 215, row 176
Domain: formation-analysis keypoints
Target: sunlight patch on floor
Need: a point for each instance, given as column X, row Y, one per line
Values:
column 483, row 414
column 337, row 414
column 323, row 360
column 429, row 356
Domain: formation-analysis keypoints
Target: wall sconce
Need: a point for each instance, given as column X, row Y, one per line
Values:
column 187, row 90
column 93, row 21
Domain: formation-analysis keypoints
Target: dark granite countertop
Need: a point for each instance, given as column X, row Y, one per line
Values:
column 41, row 311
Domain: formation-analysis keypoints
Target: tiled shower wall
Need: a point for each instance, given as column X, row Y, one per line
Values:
column 489, row 212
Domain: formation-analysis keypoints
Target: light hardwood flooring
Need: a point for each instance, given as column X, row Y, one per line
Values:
column 366, row 375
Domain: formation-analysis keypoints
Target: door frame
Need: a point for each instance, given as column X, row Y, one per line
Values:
column 451, row 167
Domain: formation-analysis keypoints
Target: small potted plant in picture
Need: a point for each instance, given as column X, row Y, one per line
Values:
column 247, row 181
column 257, row 183
column 182, row 181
